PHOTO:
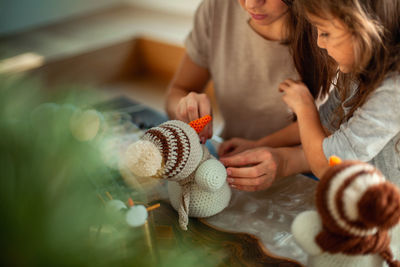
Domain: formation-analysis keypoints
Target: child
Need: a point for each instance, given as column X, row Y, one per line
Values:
column 247, row 48
column 361, row 118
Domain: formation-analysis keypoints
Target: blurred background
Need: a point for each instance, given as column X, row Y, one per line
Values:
column 58, row 59
column 18, row 15
column 128, row 47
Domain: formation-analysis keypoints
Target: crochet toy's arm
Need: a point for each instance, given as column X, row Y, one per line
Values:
column 305, row 228
column 210, row 175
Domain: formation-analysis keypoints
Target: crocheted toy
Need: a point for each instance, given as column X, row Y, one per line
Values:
column 197, row 184
column 357, row 223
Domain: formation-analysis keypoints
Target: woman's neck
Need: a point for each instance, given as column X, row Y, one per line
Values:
column 274, row 31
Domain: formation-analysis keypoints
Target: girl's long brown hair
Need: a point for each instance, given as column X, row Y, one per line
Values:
column 375, row 27
column 315, row 68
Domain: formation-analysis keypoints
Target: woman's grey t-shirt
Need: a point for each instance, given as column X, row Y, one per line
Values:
column 245, row 68
column 372, row 134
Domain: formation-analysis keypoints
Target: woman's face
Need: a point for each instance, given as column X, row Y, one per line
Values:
column 264, row 12
column 334, row 36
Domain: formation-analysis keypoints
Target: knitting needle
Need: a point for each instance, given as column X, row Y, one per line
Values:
column 109, row 195
column 155, row 206
column 102, row 199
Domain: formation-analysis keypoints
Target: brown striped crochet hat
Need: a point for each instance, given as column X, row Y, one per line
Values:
column 180, row 147
column 357, row 207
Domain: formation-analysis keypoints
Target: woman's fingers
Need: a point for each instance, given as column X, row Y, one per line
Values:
column 192, row 109
column 204, row 108
column 247, row 158
column 251, row 170
column 238, row 160
column 194, row 106
column 259, row 183
column 204, row 105
column 233, row 151
column 225, row 148
column 246, row 172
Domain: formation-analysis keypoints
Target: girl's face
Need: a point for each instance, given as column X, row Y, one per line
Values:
column 334, row 36
column 264, row 12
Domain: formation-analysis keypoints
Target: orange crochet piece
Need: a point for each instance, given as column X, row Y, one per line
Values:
column 130, row 202
column 334, row 160
column 199, row 124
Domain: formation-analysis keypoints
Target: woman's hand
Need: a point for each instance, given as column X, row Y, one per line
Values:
column 185, row 99
column 193, row 106
column 296, row 95
column 234, row 146
column 253, row 170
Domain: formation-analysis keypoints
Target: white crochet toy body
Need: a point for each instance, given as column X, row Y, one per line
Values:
column 357, row 223
column 197, row 184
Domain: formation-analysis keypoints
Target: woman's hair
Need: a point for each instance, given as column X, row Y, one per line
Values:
column 313, row 65
column 375, row 28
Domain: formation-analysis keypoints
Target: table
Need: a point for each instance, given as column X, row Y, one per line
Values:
column 238, row 249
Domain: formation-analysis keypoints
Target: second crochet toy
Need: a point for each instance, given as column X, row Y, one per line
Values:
column 357, row 223
column 197, row 184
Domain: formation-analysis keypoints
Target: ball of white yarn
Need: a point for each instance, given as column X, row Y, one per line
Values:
column 85, row 125
column 136, row 216
column 143, row 158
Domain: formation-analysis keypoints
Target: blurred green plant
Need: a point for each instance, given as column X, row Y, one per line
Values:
column 50, row 185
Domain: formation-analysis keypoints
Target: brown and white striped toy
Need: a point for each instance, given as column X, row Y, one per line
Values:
column 357, row 219
column 172, row 151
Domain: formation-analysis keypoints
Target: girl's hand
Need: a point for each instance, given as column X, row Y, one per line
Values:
column 296, row 95
column 234, row 146
column 253, row 170
column 192, row 107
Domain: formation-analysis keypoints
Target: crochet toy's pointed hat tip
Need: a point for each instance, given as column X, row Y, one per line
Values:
column 199, row 124
column 334, row 160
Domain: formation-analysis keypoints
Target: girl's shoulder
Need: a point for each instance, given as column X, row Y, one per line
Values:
column 388, row 92
column 392, row 79
column 390, row 83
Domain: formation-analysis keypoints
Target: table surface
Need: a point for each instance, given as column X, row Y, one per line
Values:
column 239, row 249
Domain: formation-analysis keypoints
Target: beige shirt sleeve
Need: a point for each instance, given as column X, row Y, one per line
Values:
column 198, row 41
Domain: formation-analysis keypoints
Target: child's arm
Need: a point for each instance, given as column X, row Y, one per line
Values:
column 312, row 134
